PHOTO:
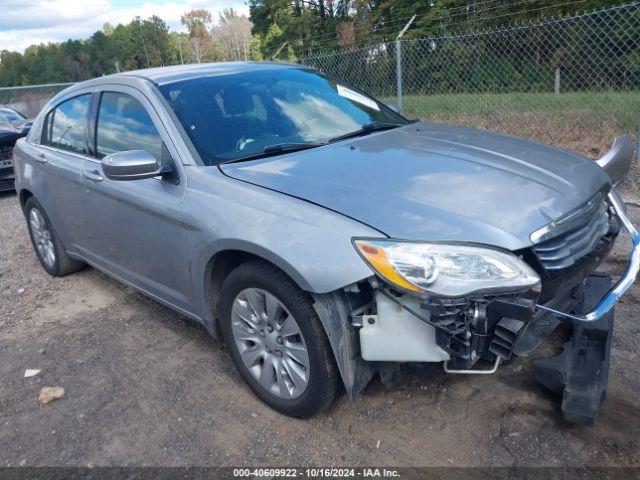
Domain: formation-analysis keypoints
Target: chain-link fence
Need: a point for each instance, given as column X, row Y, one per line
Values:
column 573, row 81
column 30, row 99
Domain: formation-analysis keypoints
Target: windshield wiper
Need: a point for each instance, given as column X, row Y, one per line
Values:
column 275, row 149
column 367, row 128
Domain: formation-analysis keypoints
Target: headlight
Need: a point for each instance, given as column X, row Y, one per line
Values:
column 445, row 269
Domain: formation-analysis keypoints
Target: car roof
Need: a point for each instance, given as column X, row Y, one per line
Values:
column 176, row 73
column 166, row 75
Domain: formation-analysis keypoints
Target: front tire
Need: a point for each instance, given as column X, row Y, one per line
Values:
column 48, row 247
column 277, row 341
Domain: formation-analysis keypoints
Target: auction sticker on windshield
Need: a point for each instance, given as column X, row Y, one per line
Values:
column 357, row 97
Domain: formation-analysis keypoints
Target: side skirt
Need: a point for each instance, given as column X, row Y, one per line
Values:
column 158, row 299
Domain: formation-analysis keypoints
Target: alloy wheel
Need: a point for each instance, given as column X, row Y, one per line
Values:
column 270, row 343
column 42, row 237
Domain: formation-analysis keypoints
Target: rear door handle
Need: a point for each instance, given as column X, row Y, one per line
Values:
column 42, row 158
column 92, row 175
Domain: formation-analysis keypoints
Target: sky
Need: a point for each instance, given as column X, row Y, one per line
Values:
column 28, row 22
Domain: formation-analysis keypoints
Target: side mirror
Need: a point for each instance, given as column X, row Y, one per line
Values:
column 25, row 127
column 132, row 165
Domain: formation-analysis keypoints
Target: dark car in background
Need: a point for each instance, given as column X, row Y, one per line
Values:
column 13, row 125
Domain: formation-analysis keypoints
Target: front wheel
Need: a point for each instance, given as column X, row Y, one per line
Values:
column 277, row 341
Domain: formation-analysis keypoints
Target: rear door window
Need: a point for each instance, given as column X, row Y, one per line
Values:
column 124, row 124
column 65, row 125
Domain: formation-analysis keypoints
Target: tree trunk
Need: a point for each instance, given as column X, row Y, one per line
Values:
column 323, row 14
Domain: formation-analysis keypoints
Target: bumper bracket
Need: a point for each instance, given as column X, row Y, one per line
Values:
column 581, row 372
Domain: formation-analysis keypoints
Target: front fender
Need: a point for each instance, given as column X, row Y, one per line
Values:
column 308, row 242
column 245, row 246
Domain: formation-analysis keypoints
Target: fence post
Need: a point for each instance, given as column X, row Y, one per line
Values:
column 399, row 63
column 557, row 82
column 399, row 74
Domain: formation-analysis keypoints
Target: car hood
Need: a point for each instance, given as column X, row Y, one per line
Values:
column 436, row 182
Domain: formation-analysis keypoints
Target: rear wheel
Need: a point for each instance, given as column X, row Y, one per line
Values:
column 277, row 341
column 49, row 249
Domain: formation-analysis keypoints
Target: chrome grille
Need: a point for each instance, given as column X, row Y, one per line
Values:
column 564, row 250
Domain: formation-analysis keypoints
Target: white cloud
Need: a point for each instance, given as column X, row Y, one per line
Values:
column 28, row 22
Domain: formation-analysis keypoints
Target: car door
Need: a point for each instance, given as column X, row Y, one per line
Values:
column 134, row 228
column 58, row 159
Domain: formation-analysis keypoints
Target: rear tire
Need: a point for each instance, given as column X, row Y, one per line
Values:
column 47, row 244
column 277, row 341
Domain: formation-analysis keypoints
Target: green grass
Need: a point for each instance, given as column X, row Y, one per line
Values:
column 584, row 108
column 585, row 122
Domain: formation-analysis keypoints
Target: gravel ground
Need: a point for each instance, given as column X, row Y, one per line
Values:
column 145, row 386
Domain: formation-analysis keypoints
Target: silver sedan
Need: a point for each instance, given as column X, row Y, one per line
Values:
column 324, row 237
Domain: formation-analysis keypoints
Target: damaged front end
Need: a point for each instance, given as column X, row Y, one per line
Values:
column 416, row 310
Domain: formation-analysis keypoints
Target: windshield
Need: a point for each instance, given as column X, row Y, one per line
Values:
column 236, row 116
column 9, row 116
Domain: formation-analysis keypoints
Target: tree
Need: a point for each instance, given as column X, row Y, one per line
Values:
column 346, row 32
column 198, row 23
column 233, row 34
column 292, row 28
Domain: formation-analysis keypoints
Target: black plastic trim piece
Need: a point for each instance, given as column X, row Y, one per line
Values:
column 581, row 372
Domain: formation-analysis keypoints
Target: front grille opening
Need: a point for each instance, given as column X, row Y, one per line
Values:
column 566, row 249
column 567, row 259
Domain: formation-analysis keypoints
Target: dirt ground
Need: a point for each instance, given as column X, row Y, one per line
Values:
column 145, row 386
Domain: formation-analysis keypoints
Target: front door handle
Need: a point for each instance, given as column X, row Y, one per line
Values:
column 92, row 175
column 42, row 158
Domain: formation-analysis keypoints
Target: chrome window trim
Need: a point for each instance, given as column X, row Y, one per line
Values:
column 81, row 156
column 624, row 283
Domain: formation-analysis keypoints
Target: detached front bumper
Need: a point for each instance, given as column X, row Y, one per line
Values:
column 580, row 374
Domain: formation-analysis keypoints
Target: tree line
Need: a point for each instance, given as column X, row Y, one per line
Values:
column 142, row 43
column 275, row 29
column 295, row 28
